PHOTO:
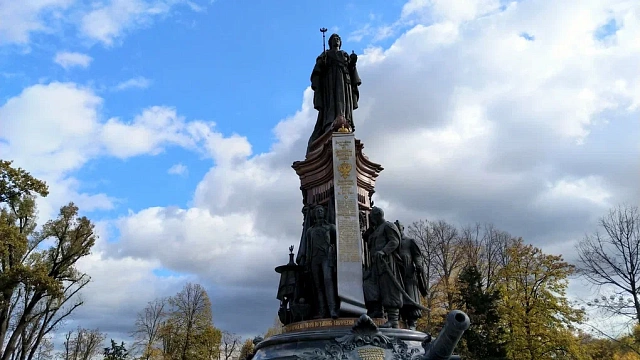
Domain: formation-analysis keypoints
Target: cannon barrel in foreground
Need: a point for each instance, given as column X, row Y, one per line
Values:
column 442, row 347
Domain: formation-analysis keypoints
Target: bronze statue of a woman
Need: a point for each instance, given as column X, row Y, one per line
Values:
column 335, row 82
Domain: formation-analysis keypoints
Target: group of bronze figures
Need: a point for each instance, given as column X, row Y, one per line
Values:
column 390, row 283
column 393, row 280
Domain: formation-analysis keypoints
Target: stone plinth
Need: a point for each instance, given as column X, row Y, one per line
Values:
column 325, row 323
column 316, row 174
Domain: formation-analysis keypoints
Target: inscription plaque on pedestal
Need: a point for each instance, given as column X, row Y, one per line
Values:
column 349, row 241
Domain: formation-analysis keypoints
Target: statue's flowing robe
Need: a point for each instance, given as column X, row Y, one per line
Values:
column 307, row 224
column 380, row 285
column 411, row 257
column 335, row 84
column 317, row 253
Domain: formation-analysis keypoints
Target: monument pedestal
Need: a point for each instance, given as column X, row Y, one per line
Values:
column 361, row 340
column 337, row 174
column 364, row 341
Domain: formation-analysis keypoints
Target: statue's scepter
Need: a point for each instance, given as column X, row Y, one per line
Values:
column 324, row 46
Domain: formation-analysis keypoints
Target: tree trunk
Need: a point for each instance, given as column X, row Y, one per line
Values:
column 39, row 338
column 11, row 345
column 186, row 341
column 4, row 317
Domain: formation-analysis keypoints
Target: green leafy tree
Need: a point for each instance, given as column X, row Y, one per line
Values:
column 116, row 352
column 483, row 339
column 38, row 284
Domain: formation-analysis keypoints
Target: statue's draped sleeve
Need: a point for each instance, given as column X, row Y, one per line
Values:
column 316, row 83
column 416, row 256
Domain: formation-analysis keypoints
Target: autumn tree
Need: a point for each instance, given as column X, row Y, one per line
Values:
column 610, row 257
column 447, row 257
column 82, row 344
column 209, row 342
column 191, row 314
column 597, row 348
column 170, row 342
column 50, row 313
column 626, row 356
column 421, row 233
column 623, row 347
column 179, row 327
column 148, row 326
column 38, row 284
column 246, row 350
column 537, row 317
column 484, row 247
column 275, row 329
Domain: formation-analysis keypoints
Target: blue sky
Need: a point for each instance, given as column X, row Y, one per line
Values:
column 239, row 64
column 521, row 114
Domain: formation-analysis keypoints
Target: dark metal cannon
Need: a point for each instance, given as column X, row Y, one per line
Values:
column 442, row 347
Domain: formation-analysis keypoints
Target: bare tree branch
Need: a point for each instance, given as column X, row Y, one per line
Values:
column 612, row 257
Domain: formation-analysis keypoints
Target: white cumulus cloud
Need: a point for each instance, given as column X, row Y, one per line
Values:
column 54, row 129
column 105, row 22
column 139, row 82
column 178, row 169
column 21, row 18
column 109, row 21
column 472, row 123
column 68, row 59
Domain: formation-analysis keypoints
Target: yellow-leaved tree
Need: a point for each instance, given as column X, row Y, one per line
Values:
column 537, row 317
column 246, row 350
column 179, row 327
column 626, row 356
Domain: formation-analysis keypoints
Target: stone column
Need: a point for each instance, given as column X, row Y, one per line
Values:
column 349, row 239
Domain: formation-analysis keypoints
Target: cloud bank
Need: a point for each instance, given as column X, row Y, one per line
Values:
column 473, row 122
